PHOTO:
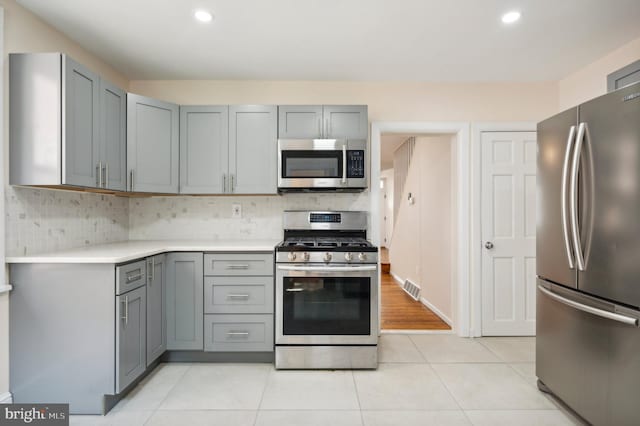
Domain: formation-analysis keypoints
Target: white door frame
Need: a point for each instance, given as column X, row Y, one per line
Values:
column 476, row 203
column 462, row 313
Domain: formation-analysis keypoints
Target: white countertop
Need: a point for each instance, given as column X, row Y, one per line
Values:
column 130, row 250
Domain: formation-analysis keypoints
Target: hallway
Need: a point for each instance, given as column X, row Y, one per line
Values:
column 400, row 312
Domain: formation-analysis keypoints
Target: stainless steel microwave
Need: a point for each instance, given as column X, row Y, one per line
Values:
column 338, row 165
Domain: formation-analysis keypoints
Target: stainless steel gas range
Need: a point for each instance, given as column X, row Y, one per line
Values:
column 326, row 292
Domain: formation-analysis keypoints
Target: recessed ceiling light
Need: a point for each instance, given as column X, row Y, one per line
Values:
column 203, row 15
column 510, row 17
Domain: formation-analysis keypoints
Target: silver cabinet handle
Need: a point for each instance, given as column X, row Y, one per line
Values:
column 131, row 277
column 237, row 333
column 106, row 175
column 98, row 174
column 237, row 296
column 224, row 182
column 131, row 179
column 344, row 164
column 590, row 309
column 563, row 194
column 573, row 196
column 232, row 189
column 126, row 310
column 238, row 266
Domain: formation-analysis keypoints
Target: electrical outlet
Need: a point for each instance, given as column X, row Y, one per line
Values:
column 236, row 211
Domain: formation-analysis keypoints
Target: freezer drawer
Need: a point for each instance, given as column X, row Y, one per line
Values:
column 587, row 360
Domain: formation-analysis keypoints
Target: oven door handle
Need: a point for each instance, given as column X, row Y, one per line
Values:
column 328, row 268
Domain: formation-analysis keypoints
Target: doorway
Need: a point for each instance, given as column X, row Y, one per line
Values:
column 418, row 231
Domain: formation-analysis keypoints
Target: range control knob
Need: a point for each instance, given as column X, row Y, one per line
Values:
column 292, row 256
column 362, row 257
column 305, row 256
column 348, row 257
column 327, row 257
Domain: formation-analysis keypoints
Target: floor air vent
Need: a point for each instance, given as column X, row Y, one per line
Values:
column 411, row 289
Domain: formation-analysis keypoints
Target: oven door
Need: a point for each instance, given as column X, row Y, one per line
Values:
column 326, row 305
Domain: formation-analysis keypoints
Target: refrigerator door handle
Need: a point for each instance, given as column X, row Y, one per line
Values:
column 563, row 194
column 573, row 197
column 590, row 309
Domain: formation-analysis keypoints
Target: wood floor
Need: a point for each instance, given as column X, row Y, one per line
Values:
column 401, row 312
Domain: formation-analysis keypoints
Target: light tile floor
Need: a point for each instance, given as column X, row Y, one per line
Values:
column 422, row 380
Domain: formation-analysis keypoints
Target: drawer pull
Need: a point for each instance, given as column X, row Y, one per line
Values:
column 131, row 278
column 237, row 296
column 237, row 333
column 238, row 266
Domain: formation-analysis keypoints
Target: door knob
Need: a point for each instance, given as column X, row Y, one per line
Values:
column 488, row 245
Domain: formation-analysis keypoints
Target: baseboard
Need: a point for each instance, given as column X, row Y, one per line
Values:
column 6, row 398
column 437, row 311
column 397, row 279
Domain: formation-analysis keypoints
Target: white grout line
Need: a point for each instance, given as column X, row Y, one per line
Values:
column 355, row 387
column 264, row 390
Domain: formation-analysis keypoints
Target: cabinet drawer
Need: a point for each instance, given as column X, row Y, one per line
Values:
column 130, row 276
column 238, row 333
column 238, row 264
column 238, row 295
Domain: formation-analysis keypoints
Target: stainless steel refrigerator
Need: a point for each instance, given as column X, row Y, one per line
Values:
column 588, row 258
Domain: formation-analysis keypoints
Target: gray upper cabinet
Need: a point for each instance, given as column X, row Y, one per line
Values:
column 323, row 121
column 204, row 149
column 69, row 131
column 156, row 307
column 300, row 122
column 130, row 337
column 346, row 122
column 625, row 76
column 113, row 136
column 253, row 149
column 80, row 130
column 152, row 145
column 185, row 292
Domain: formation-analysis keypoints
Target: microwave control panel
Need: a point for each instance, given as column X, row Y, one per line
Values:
column 355, row 164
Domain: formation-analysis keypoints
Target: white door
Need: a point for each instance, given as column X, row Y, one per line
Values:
column 508, row 233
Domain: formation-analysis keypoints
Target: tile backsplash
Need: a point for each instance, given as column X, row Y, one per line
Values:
column 210, row 217
column 43, row 220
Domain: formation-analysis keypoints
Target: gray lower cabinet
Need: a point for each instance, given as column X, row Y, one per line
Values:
column 238, row 333
column 68, row 132
column 152, row 145
column 184, row 301
column 238, row 302
column 131, row 334
column 156, row 307
column 323, row 121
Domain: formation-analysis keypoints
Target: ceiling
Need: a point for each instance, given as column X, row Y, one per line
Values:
column 400, row 40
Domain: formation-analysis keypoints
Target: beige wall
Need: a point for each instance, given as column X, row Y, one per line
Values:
column 591, row 81
column 422, row 245
column 387, row 101
column 24, row 32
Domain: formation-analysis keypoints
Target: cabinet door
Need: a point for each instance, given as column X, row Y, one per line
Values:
column 80, row 131
column 156, row 307
column 204, row 149
column 300, row 121
column 113, row 136
column 131, row 337
column 185, row 316
column 253, row 148
column 152, row 145
column 345, row 122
